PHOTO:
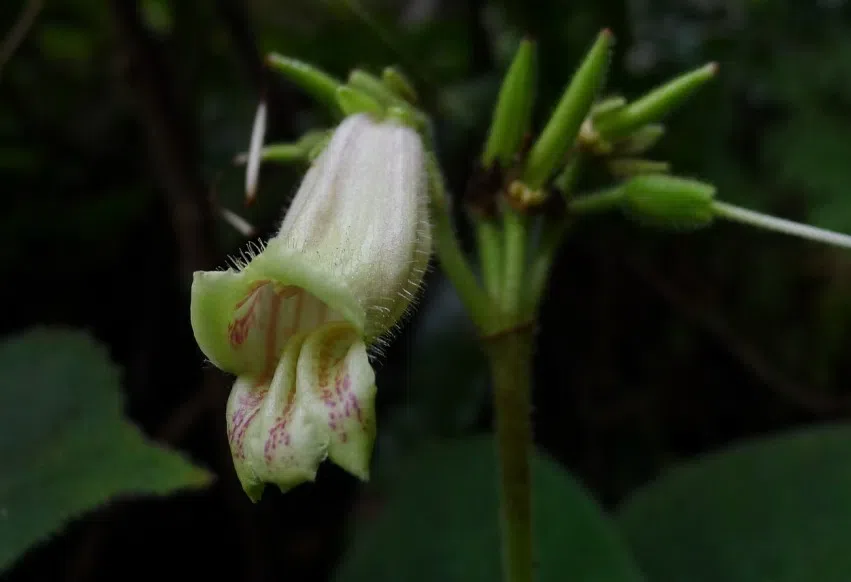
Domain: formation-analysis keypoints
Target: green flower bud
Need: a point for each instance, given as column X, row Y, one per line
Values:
column 293, row 320
column 375, row 88
column 628, row 167
column 655, row 105
column 606, row 106
column 352, row 101
column 399, row 84
column 641, row 140
column 561, row 131
column 668, row 201
column 513, row 112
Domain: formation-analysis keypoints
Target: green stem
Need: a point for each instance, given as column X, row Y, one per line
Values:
column 566, row 180
column 516, row 235
column 597, row 202
column 510, row 357
column 478, row 304
column 508, row 345
column 490, row 254
column 539, row 270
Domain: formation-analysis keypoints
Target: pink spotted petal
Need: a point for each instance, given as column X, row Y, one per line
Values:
column 319, row 403
column 337, row 383
column 272, row 438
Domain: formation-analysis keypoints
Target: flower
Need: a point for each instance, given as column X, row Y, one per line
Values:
column 293, row 322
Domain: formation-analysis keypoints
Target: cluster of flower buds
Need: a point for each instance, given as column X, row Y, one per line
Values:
column 582, row 125
column 616, row 131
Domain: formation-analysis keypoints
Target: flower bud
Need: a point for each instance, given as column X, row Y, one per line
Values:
column 294, row 320
column 513, row 112
column 375, row 88
column 669, row 201
column 654, row 105
column 561, row 131
column 397, row 82
column 353, row 101
column 641, row 139
column 628, row 167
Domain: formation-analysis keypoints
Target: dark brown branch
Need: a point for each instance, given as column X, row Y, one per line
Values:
column 170, row 139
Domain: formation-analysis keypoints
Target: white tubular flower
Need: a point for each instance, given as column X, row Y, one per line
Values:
column 293, row 323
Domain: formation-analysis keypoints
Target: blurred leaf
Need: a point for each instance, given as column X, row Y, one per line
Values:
column 440, row 522
column 65, row 44
column 468, row 104
column 448, row 372
column 65, row 448
column 773, row 510
column 810, row 153
column 157, row 13
column 443, row 389
column 801, row 73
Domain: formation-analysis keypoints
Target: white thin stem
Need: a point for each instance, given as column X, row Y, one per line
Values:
column 255, row 150
column 239, row 224
column 737, row 214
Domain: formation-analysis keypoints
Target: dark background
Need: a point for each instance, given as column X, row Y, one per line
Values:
column 118, row 124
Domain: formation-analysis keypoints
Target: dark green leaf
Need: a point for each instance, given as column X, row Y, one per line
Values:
column 64, row 447
column 440, row 522
column 773, row 510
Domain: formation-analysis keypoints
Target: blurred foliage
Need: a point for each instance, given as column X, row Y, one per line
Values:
column 64, row 447
column 448, row 493
column 653, row 348
column 770, row 509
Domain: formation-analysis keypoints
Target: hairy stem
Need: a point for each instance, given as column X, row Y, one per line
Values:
column 510, row 356
column 475, row 300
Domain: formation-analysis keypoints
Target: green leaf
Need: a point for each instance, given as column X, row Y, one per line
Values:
column 440, row 522
column 64, row 447
column 772, row 510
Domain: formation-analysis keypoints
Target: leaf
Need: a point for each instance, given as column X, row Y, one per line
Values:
column 440, row 522
column 774, row 510
column 442, row 390
column 64, row 447
column 446, row 386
